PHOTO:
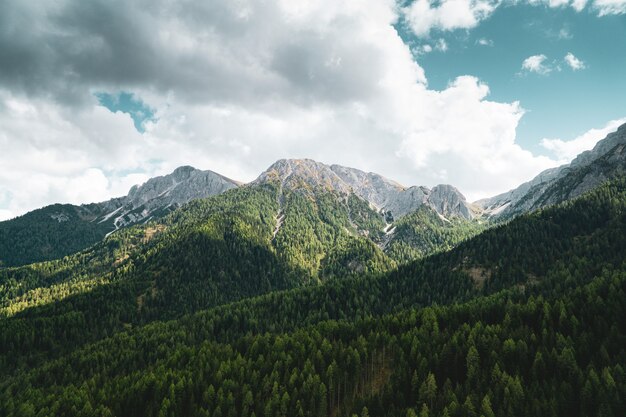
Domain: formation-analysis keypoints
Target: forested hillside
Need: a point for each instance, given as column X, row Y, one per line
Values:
column 525, row 319
column 48, row 233
column 211, row 252
column 58, row 230
column 424, row 233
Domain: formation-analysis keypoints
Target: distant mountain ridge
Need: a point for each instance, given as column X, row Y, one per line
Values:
column 383, row 194
column 61, row 229
column 161, row 194
column 58, row 230
column 606, row 161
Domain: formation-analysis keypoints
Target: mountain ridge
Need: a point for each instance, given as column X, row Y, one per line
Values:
column 605, row 161
column 58, row 230
column 385, row 195
column 184, row 184
column 510, row 284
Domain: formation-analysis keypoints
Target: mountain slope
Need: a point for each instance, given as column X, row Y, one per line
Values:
column 549, row 341
column 425, row 232
column 163, row 194
column 247, row 241
column 377, row 208
column 383, row 194
column 61, row 229
column 210, row 252
column 49, row 233
column 606, row 161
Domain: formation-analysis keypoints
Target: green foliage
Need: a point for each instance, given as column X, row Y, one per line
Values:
column 208, row 253
column 327, row 235
column 424, row 232
column 48, row 233
column 525, row 319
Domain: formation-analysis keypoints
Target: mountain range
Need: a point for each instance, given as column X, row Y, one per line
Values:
column 591, row 168
column 319, row 290
column 61, row 229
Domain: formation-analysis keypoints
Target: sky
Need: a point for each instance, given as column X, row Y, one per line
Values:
column 98, row 96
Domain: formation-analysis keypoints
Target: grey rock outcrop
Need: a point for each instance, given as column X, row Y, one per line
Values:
column 383, row 194
column 160, row 195
column 588, row 170
column 449, row 202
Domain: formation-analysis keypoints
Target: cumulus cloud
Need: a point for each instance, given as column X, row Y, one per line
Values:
column 566, row 150
column 536, row 64
column 601, row 7
column 539, row 64
column 426, row 16
column 52, row 153
column 484, row 42
column 423, row 16
column 441, row 45
column 610, row 7
column 235, row 85
column 573, row 62
column 422, row 49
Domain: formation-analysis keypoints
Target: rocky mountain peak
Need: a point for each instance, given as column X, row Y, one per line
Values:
column 385, row 195
column 161, row 194
column 448, row 201
column 183, row 172
column 304, row 175
column 605, row 161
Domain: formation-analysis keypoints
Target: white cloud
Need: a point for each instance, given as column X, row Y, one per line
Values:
column 565, row 33
column 573, row 62
column 558, row 3
column 423, row 49
column 6, row 214
column 54, row 154
column 566, row 150
column 484, row 42
column 537, row 64
column 233, row 91
column 579, row 5
column 424, row 16
column 441, row 45
column 602, row 7
column 610, row 7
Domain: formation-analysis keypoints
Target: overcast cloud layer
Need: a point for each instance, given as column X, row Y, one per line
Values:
column 234, row 86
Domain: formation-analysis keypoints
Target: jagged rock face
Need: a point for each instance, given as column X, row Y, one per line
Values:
column 448, row 201
column 407, row 201
column 374, row 188
column 304, row 175
column 514, row 200
column 605, row 161
column 385, row 195
column 161, row 194
column 184, row 184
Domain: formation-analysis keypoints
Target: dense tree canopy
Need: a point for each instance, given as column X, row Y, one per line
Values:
column 218, row 311
column 48, row 233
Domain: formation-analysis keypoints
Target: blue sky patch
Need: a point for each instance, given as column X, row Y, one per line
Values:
column 560, row 101
column 130, row 104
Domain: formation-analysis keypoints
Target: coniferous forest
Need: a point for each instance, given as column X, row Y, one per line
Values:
column 212, row 311
column 312, row 208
